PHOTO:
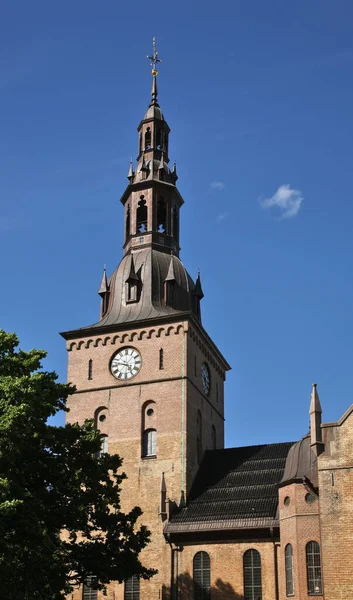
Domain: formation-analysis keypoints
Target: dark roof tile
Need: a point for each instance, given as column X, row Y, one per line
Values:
column 235, row 487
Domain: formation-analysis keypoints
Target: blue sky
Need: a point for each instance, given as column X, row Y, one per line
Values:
column 259, row 98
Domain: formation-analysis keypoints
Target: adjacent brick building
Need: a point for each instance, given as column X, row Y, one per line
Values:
column 255, row 523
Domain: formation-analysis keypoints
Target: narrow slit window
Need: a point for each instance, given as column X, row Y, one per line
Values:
column 161, row 216
column 288, row 557
column 176, row 223
column 161, row 359
column 90, row 369
column 199, row 437
column 127, row 224
column 214, row 438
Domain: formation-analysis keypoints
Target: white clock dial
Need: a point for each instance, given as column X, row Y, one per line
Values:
column 126, row 363
column 206, row 379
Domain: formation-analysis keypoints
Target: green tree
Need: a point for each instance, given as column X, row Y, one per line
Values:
column 51, row 482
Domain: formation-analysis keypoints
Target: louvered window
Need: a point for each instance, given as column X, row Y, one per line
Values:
column 288, row 555
column 202, row 576
column 313, row 568
column 132, row 588
column 88, row 592
column 149, row 442
column 252, row 575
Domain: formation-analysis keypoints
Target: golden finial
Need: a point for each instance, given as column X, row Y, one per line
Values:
column 154, row 59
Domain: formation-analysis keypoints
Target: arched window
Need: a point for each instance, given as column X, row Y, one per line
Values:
column 159, row 138
column 148, row 139
column 90, row 369
column 176, row 223
column 132, row 588
column 214, row 438
column 199, row 436
column 288, row 556
column 88, row 593
column 104, row 446
column 252, row 575
column 313, row 568
column 127, row 223
column 161, row 216
column 141, row 215
column 201, row 576
column 149, row 442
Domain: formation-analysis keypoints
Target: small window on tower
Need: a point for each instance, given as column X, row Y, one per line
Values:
column 127, row 223
column 148, row 139
column 141, row 215
column 159, row 139
column 199, row 437
column 149, row 442
column 214, row 440
column 161, row 359
column 161, row 216
column 90, row 369
column 131, row 292
column 104, row 446
column 176, row 223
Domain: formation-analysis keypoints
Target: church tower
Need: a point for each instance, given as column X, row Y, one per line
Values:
column 147, row 371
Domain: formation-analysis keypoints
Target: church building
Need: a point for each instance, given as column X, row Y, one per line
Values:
column 264, row 522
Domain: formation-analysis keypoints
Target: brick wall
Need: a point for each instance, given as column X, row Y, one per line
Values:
column 175, row 393
column 299, row 524
column 336, row 508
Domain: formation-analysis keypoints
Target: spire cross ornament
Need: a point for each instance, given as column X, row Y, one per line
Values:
column 154, row 59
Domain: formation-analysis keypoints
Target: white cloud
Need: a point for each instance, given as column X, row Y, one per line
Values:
column 221, row 217
column 286, row 199
column 217, row 185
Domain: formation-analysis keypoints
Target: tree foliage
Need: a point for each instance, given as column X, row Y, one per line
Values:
column 51, row 481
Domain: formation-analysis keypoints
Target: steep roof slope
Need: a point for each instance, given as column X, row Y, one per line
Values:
column 234, row 488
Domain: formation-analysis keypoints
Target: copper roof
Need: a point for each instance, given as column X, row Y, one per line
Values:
column 301, row 464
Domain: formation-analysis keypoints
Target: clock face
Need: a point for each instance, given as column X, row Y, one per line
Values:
column 206, row 379
column 126, row 363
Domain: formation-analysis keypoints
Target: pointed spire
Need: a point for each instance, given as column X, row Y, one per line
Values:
column 142, row 165
column 315, row 405
column 198, row 287
column 104, row 287
column 154, row 91
column 155, row 60
column 132, row 273
column 316, row 442
column 131, row 172
column 170, row 274
column 163, row 485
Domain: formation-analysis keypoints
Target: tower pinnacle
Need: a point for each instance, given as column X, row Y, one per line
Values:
column 154, row 59
column 154, row 62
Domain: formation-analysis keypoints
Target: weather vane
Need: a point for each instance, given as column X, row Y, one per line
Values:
column 154, row 59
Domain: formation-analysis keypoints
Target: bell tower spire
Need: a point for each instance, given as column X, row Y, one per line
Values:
column 152, row 200
column 154, row 63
